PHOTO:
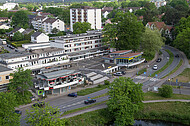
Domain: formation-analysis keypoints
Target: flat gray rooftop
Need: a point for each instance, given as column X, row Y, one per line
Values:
column 3, row 69
column 49, row 49
column 55, row 74
column 14, row 55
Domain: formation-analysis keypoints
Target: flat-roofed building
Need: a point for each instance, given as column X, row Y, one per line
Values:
column 58, row 81
column 4, row 77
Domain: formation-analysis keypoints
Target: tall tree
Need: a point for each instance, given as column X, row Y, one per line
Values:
column 22, row 80
column 151, row 42
column 20, row 18
column 8, row 116
column 47, row 116
column 80, row 27
column 18, row 36
column 125, row 100
column 125, row 32
column 182, row 41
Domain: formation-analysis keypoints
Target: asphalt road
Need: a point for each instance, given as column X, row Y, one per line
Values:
column 69, row 103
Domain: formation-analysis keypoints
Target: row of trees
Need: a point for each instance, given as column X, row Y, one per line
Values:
column 127, row 32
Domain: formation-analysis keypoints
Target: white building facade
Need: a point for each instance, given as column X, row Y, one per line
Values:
column 39, row 37
column 86, row 14
column 8, row 6
column 159, row 3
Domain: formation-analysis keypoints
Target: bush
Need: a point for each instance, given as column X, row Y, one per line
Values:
column 19, row 43
column 106, row 82
column 166, row 91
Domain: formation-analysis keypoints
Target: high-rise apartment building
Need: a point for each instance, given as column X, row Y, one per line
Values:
column 86, row 14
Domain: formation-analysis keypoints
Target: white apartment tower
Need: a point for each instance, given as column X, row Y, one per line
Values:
column 86, row 14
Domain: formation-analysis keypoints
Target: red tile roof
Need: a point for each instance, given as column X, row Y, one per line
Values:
column 158, row 25
column 121, row 51
column 130, row 54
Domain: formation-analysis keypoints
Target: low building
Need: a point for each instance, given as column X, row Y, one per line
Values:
column 159, row 3
column 106, row 11
column 39, row 37
column 8, row 6
column 11, row 33
column 4, row 19
column 4, row 26
column 35, row 59
column 4, row 77
column 57, row 82
column 124, row 58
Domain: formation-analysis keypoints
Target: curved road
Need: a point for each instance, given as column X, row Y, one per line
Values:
column 67, row 103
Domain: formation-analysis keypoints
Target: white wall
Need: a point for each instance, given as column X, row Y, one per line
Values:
column 98, row 19
column 90, row 17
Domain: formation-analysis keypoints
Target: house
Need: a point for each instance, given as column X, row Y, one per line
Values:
column 50, row 23
column 86, row 14
column 3, row 19
column 132, row 9
column 44, row 14
column 4, row 77
column 39, row 37
column 106, row 11
column 4, row 26
column 159, row 3
column 27, row 31
column 8, row 6
column 11, row 33
column 47, row 24
column 124, row 58
column 58, row 81
column 162, row 27
column 108, row 21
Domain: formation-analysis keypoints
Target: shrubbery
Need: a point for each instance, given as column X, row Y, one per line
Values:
column 106, row 82
column 19, row 43
column 166, row 91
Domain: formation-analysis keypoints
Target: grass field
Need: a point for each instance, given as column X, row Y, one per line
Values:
column 91, row 90
column 184, row 76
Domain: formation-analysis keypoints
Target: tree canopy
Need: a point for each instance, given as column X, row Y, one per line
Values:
column 125, row 32
column 81, row 27
column 18, row 36
column 8, row 116
column 20, row 19
column 125, row 100
column 47, row 116
column 151, row 42
column 22, row 80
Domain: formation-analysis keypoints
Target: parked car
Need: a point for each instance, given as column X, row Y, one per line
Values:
column 155, row 67
column 18, row 112
column 72, row 94
column 39, row 104
column 177, row 55
column 89, row 101
column 32, row 98
column 118, row 74
column 168, row 57
column 159, row 60
column 123, row 72
column 145, row 61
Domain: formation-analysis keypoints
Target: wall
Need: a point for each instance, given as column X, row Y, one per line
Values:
column 3, row 75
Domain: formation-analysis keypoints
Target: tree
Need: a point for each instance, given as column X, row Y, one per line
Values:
column 125, row 32
column 80, row 27
column 47, row 116
column 18, row 36
column 55, row 30
column 151, row 41
column 182, row 41
column 22, row 80
column 166, row 91
column 20, row 18
column 125, row 100
column 8, row 116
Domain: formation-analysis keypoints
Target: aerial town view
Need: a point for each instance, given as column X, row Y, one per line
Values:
column 94, row 63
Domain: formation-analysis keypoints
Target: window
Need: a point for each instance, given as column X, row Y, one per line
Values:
column 7, row 77
column 0, row 79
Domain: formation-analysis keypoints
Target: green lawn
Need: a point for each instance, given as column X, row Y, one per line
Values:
column 142, row 71
column 183, row 77
column 155, row 96
column 167, row 64
column 91, row 90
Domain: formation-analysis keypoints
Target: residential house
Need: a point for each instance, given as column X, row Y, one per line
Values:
column 108, row 21
column 4, row 19
column 106, row 11
column 8, row 6
column 4, row 77
column 86, row 14
column 11, row 33
column 44, row 14
column 39, row 37
column 27, row 31
column 159, row 3
column 37, row 22
column 131, row 9
column 4, row 26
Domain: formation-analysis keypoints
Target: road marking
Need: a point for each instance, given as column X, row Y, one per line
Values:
column 154, row 79
column 73, row 104
column 140, row 77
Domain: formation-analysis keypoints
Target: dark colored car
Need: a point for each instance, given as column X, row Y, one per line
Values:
column 177, row 55
column 89, row 101
column 72, row 94
column 145, row 61
column 123, row 72
column 18, row 112
column 39, row 104
column 159, row 60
